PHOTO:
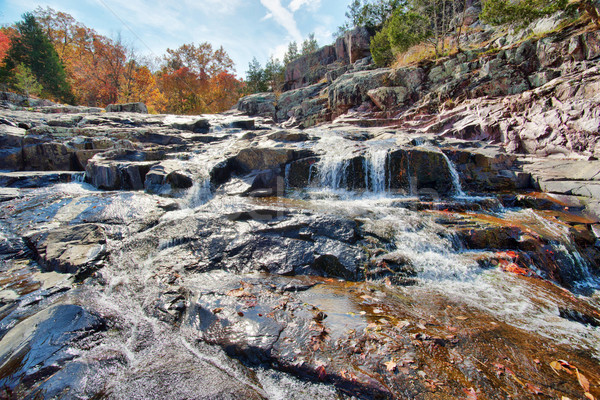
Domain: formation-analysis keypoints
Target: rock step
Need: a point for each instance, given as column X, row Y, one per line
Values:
column 36, row 179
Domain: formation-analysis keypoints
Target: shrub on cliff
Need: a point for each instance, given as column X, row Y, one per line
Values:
column 32, row 48
column 400, row 32
column 497, row 12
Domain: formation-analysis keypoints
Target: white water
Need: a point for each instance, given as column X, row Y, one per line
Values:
column 458, row 191
column 375, row 172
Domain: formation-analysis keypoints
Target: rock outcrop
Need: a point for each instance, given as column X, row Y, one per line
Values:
column 311, row 68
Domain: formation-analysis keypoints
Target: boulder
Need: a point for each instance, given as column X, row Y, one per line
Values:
column 77, row 249
column 388, row 97
column 351, row 89
column 129, row 107
column 50, row 156
column 259, row 104
column 287, row 136
column 258, row 159
column 287, row 101
column 267, row 184
column 199, row 125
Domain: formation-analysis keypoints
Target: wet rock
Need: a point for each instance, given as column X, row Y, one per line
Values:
column 266, row 184
column 77, row 249
column 34, row 179
column 258, row 159
column 578, row 316
column 11, row 144
column 39, row 346
column 200, row 125
column 420, row 170
column 299, row 173
column 168, row 176
column 52, row 156
column 244, row 124
column 394, row 266
column 285, row 136
column 121, row 169
column 487, row 236
column 129, row 107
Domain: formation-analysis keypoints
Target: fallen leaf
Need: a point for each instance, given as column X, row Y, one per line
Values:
column 390, row 365
column 589, row 396
column 471, row 394
column 583, row 381
column 403, row 324
column 377, row 310
column 556, row 367
column 534, row 389
column 565, row 398
column 462, row 318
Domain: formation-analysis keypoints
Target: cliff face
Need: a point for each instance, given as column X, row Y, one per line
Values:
column 536, row 95
column 331, row 61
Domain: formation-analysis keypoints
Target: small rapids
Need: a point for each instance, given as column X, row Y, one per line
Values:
column 200, row 299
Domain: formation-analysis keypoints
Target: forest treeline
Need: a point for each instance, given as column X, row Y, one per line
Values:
column 51, row 55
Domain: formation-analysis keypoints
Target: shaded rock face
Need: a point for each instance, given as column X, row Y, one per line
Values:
column 129, row 107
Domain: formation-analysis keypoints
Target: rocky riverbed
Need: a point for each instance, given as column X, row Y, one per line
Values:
column 147, row 256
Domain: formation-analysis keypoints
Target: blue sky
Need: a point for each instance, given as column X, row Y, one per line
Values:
column 245, row 28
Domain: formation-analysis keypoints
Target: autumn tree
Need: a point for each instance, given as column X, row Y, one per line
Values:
column 32, row 48
column 192, row 78
column 4, row 43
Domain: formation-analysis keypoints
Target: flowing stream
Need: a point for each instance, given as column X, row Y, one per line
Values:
column 155, row 294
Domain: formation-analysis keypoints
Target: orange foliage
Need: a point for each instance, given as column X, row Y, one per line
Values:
column 194, row 79
column 4, row 44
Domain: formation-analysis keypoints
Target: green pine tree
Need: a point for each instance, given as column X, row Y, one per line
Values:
column 256, row 81
column 32, row 48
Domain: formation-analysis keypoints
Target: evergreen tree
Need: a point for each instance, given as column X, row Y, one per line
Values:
column 274, row 74
column 310, row 45
column 32, row 48
column 291, row 54
column 255, row 77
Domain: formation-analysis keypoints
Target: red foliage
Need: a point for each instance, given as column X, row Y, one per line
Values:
column 4, row 44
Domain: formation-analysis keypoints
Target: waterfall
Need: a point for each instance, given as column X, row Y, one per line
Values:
column 332, row 172
column 78, row 177
column 458, row 192
column 375, row 170
column 200, row 193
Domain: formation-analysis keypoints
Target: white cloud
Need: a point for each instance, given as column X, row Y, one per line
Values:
column 283, row 17
column 279, row 51
column 266, row 17
column 313, row 5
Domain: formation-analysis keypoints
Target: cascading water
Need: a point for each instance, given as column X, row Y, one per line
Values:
column 375, row 170
column 458, row 191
